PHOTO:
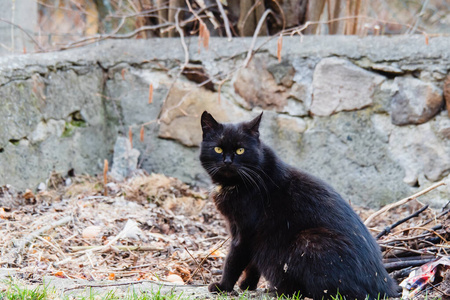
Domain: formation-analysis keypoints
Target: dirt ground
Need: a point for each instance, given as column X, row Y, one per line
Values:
column 150, row 230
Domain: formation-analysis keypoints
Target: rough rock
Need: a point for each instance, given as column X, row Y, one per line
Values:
column 339, row 85
column 46, row 129
column 388, row 68
column 447, row 93
column 283, row 73
column 258, row 87
column 291, row 124
column 125, row 159
column 416, row 101
column 422, row 155
column 181, row 113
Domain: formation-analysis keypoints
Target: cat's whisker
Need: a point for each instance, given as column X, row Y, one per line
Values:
column 259, row 169
column 255, row 180
column 258, row 178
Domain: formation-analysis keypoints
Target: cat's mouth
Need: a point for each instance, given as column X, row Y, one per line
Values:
column 228, row 171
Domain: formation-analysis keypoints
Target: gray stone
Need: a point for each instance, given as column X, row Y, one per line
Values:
column 382, row 96
column 422, row 155
column 291, row 124
column 46, row 129
column 415, row 102
column 125, row 159
column 339, row 85
column 180, row 116
column 447, row 93
column 295, row 107
column 283, row 73
column 258, row 87
column 388, row 68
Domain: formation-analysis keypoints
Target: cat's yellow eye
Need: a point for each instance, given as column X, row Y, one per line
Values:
column 240, row 151
column 218, row 149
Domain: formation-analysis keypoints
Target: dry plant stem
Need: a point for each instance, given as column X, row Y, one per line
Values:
column 85, row 286
column 52, row 245
column 38, row 232
column 407, row 263
column 387, row 242
column 434, row 219
column 401, row 202
column 389, row 228
column 122, row 248
column 225, row 20
column 206, row 257
column 404, row 249
column 98, row 37
column 255, row 35
column 24, row 31
column 183, row 43
column 198, row 265
column 423, row 228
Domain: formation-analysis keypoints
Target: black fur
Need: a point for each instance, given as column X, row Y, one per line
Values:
column 286, row 225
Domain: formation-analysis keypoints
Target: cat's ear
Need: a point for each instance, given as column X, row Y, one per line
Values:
column 209, row 124
column 253, row 125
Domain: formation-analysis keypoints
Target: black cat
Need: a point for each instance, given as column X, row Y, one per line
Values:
column 286, row 225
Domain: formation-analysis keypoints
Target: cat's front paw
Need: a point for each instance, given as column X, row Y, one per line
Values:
column 218, row 288
column 248, row 285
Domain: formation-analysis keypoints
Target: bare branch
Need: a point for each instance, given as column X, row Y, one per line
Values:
column 225, row 20
column 401, row 202
column 24, row 31
column 255, row 35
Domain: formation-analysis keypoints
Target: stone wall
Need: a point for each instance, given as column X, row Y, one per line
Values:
column 366, row 114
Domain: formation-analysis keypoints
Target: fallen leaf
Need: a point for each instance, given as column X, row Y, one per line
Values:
column 28, row 194
column 59, row 274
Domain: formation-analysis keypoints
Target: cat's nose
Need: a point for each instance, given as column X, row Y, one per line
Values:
column 227, row 160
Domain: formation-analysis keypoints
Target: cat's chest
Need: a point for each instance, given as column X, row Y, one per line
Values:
column 236, row 204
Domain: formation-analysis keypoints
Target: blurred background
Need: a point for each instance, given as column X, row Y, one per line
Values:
column 45, row 25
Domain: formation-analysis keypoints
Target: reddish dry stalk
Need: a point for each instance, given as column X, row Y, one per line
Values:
column 130, row 136
column 150, row 94
column 142, row 134
column 279, row 47
column 105, row 176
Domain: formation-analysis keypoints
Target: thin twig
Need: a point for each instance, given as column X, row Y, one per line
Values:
column 56, row 247
column 401, row 202
column 23, row 30
column 226, row 23
column 40, row 231
column 122, row 248
column 437, row 217
column 183, row 43
column 389, row 228
column 131, row 283
column 408, row 263
column 255, row 35
column 206, row 257
column 198, row 265
column 411, row 250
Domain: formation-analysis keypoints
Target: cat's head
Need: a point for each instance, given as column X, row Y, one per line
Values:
column 230, row 152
